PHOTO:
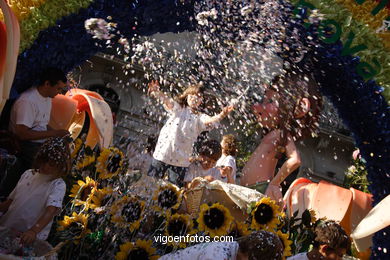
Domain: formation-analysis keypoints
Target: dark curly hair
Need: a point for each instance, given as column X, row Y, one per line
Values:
column 211, row 149
column 330, row 233
column 56, row 152
column 261, row 245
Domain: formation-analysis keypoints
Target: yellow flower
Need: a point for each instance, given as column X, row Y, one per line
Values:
column 265, row 215
column 286, row 243
column 215, row 220
column 140, row 250
column 167, row 196
column 178, row 225
column 128, row 212
column 78, row 143
column 100, row 197
column 239, row 229
column 83, row 192
column 85, row 161
column 110, row 163
column 77, row 222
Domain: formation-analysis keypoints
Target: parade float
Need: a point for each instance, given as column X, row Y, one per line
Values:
column 115, row 212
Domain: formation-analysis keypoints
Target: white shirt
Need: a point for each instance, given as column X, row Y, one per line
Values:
column 196, row 170
column 206, row 251
column 31, row 196
column 174, row 145
column 32, row 110
column 300, row 256
column 228, row 160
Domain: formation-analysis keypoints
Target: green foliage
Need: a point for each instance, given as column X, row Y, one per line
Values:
column 356, row 176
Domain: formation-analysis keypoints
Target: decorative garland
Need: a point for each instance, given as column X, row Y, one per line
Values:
column 67, row 44
column 45, row 16
column 22, row 8
column 364, row 35
column 362, row 13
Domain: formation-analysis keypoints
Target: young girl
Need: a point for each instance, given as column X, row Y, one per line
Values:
column 37, row 198
column 227, row 163
column 185, row 123
column 289, row 111
column 203, row 165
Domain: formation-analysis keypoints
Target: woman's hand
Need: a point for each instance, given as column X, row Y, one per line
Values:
column 227, row 110
column 153, row 87
column 274, row 191
column 28, row 237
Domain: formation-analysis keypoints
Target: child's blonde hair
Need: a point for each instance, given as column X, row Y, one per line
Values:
column 56, row 152
column 191, row 90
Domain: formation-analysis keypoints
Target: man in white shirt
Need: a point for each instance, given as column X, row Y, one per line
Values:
column 29, row 120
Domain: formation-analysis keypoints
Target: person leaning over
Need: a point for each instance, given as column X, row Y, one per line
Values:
column 29, row 119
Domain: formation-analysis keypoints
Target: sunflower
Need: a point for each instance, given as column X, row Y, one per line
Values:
column 101, row 197
column 286, row 243
column 167, row 196
column 178, row 225
column 140, row 250
column 239, row 229
column 110, row 163
column 127, row 212
column 83, row 192
column 214, row 220
column 265, row 215
column 85, row 161
column 77, row 223
column 78, row 143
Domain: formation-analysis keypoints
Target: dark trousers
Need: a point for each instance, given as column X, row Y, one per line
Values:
column 175, row 173
column 24, row 162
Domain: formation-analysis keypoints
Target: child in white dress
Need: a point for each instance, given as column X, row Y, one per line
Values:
column 37, row 198
column 227, row 162
column 176, row 139
column 203, row 165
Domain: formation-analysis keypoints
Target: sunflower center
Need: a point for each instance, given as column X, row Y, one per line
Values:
column 138, row 254
column 177, row 227
column 76, row 228
column 264, row 214
column 85, row 192
column 131, row 212
column 113, row 163
column 167, row 198
column 214, row 218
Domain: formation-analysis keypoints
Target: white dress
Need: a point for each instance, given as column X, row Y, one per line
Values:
column 228, row 160
column 32, row 110
column 195, row 170
column 31, row 196
column 177, row 137
column 206, row 251
column 300, row 256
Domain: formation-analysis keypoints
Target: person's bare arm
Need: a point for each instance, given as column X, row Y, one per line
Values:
column 291, row 164
column 30, row 235
column 24, row 133
column 154, row 90
column 5, row 205
column 214, row 119
column 228, row 172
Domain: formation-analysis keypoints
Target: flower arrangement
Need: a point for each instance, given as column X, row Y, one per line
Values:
column 104, row 218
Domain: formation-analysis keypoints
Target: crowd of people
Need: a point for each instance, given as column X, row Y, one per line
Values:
column 32, row 191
